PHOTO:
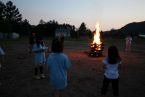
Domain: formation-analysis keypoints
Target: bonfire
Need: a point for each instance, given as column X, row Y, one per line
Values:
column 96, row 47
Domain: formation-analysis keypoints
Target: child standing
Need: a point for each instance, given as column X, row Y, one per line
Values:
column 111, row 70
column 32, row 40
column 39, row 49
column 58, row 65
column 2, row 53
column 128, row 41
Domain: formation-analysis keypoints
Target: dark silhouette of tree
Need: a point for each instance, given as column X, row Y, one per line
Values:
column 25, row 27
column 89, row 33
column 73, row 31
column 3, row 24
column 12, row 13
column 42, row 21
column 82, row 29
column 47, row 28
column 51, row 27
column 2, row 10
column 71, row 28
column 12, row 17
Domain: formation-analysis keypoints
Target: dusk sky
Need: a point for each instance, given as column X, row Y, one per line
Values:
column 109, row 13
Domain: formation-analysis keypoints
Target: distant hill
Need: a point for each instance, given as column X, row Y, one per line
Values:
column 134, row 28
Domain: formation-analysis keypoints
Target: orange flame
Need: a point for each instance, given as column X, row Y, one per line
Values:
column 97, row 35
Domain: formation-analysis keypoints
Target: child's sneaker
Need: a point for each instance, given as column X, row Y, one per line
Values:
column 37, row 77
column 42, row 75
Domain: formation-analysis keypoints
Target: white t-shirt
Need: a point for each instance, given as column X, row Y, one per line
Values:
column 111, row 70
column 39, row 52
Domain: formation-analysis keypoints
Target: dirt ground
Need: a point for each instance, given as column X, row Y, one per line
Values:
column 86, row 73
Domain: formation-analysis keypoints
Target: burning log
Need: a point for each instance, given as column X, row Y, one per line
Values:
column 96, row 49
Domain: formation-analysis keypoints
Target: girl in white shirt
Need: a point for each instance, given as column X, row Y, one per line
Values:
column 39, row 56
column 111, row 70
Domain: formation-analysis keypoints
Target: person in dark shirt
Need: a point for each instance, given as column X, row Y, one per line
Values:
column 32, row 40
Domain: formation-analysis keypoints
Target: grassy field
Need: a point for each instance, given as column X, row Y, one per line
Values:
column 86, row 73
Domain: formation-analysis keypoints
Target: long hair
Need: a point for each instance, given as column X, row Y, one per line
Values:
column 39, row 41
column 57, row 45
column 113, row 55
column 32, row 38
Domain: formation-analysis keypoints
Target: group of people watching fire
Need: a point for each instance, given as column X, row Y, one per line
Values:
column 59, row 64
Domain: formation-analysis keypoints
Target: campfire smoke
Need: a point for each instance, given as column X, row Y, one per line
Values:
column 96, row 47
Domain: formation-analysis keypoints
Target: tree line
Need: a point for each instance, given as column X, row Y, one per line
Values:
column 11, row 21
